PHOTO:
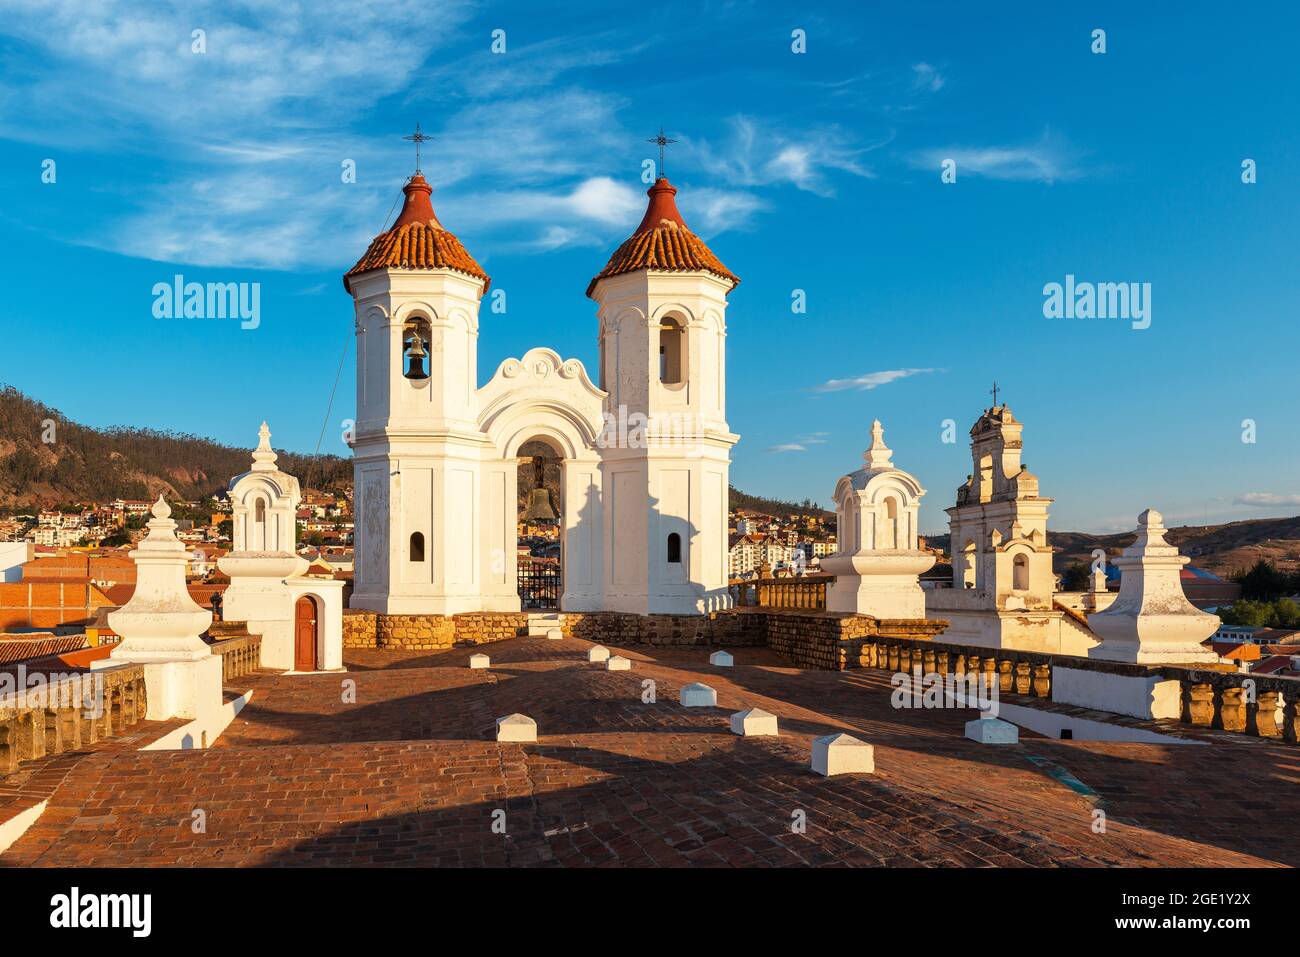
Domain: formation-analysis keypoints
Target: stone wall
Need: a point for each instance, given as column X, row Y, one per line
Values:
column 368, row 629
column 360, row 628
column 475, row 628
column 809, row 639
column 834, row 642
column 619, row 628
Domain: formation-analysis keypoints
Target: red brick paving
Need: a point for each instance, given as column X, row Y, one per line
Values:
column 409, row 774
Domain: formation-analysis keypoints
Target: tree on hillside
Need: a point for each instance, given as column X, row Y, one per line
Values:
column 1075, row 577
column 1263, row 582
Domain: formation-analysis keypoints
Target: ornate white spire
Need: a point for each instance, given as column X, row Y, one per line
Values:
column 1151, row 621
column 263, row 456
column 161, row 622
column 879, row 454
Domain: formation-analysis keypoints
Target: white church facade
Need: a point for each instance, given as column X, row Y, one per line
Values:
column 645, row 447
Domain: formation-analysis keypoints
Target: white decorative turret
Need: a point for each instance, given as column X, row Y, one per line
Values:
column 878, row 561
column 267, row 576
column 1152, row 622
column 161, row 622
column 264, row 506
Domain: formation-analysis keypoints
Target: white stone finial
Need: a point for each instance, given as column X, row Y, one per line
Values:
column 264, row 456
column 1151, row 621
column 879, row 454
column 162, row 529
column 161, row 622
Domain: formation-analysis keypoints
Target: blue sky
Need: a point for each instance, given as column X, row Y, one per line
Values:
column 817, row 171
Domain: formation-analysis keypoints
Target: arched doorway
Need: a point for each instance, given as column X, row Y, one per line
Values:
column 304, row 635
column 540, row 526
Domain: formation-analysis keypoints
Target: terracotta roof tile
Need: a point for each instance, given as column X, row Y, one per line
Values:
column 663, row 242
column 417, row 241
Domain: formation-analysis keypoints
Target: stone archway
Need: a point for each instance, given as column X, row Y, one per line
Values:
column 544, row 399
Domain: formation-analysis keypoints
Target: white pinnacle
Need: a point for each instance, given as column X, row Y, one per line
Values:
column 264, row 456
column 879, row 454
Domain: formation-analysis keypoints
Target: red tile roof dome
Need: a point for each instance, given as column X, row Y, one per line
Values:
column 417, row 241
column 663, row 243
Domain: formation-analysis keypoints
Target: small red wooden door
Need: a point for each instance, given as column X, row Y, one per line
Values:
column 304, row 645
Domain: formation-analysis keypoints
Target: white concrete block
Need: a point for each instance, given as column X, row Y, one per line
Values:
column 516, row 727
column 721, row 659
column 699, row 696
column 541, row 624
column 479, row 661
column 842, row 754
column 754, row 722
column 598, row 653
column 618, row 663
column 554, row 634
column 1137, row 696
column 992, row 731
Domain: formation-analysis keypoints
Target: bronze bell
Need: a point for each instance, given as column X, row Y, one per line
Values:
column 416, row 355
column 539, row 507
column 539, row 500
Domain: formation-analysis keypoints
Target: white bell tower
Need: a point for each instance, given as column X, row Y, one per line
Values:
column 666, row 455
column 417, row 450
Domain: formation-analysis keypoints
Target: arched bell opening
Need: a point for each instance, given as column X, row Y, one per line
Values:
column 672, row 351
column 540, row 531
column 416, row 335
column 1020, row 572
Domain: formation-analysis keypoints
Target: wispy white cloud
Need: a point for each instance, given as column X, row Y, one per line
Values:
column 132, row 70
column 756, row 155
column 243, row 143
column 1266, row 499
column 926, row 77
column 1048, row 160
column 487, row 75
column 871, row 380
column 800, row 445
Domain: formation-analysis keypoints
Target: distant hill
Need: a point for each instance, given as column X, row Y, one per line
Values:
column 1223, row 549
column 85, row 464
column 774, row 507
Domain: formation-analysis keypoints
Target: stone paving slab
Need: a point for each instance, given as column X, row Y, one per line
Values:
column 409, row 774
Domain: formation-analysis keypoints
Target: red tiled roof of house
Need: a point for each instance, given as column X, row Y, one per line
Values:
column 663, row 243
column 1272, row 665
column 37, row 646
column 1237, row 651
column 417, row 241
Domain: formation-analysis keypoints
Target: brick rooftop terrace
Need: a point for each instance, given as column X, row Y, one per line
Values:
column 410, row 774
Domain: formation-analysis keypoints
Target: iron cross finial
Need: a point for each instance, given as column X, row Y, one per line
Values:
column 994, row 390
column 661, row 141
column 417, row 138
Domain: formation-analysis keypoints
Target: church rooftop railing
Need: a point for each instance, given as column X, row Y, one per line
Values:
column 804, row 594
